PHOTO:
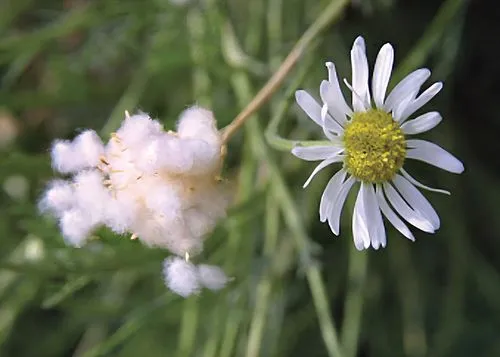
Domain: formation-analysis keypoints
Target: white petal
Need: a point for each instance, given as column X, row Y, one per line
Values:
column 321, row 166
column 332, row 102
column 391, row 216
column 336, row 208
column 329, row 124
column 434, row 155
column 360, row 72
column 421, row 124
column 335, row 90
column 422, row 99
column 314, row 153
column 309, row 105
column 332, row 130
column 400, row 107
column 406, row 211
column 421, row 185
column 375, row 222
column 416, row 200
column 360, row 222
column 409, row 84
column 382, row 74
column 330, row 194
column 327, row 127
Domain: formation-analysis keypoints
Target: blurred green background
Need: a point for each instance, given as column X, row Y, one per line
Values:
column 72, row 64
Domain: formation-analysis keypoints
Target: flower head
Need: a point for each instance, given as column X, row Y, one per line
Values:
column 161, row 187
column 371, row 140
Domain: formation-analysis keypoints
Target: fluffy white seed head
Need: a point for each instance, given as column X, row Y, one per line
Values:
column 58, row 197
column 83, row 152
column 181, row 276
column 64, row 158
column 198, row 123
column 121, row 212
column 91, row 195
column 89, row 147
column 159, row 186
column 199, row 222
column 75, row 227
column 168, row 154
column 136, row 130
column 163, row 200
column 212, row 277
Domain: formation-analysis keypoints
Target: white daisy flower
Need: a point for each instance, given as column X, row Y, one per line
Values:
column 372, row 141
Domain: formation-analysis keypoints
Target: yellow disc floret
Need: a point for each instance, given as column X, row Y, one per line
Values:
column 374, row 146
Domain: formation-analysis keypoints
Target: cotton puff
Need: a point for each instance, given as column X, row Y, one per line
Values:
column 138, row 129
column 83, row 152
column 199, row 222
column 121, row 212
column 201, row 139
column 159, row 186
column 204, row 156
column 198, row 123
column 212, row 277
column 89, row 147
column 58, row 197
column 64, row 158
column 166, row 152
column 91, row 196
column 163, row 200
column 181, row 276
column 158, row 231
column 75, row 227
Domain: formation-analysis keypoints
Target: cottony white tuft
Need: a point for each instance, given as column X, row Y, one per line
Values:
column 162, row 187
column 184, row 278
column 212, row 277
column 181, row 276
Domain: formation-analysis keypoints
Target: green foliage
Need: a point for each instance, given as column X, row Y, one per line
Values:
column 66, row 65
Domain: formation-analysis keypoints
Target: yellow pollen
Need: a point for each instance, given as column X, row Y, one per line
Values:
column 375, row 146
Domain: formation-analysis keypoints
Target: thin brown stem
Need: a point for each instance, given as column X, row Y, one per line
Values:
column 331, row 12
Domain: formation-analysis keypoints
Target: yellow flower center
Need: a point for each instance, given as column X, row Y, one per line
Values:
column 374, row 145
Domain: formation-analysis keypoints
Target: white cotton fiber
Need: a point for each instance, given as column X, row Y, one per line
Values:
column 181, row 276
column 89, row 147
column 75, row 227
column 163, row 200
column 159, row 186
column 205, row 156
column 64, row 158
column 198, row 123
column 91, row 195
column 121, row 212
column 212, row 277
column 180, row 244
column 212, row 200
column 58, row 197
column 138, row 129
column 84, row 152
column 200, row 223
column 201, row 139
column 167, row 153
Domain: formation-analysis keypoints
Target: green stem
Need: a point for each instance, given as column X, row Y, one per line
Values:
column 353, row 310
column 330, row 13
column 264, row 287
column 272, row 137
column 412, row 305
column 293, row 219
